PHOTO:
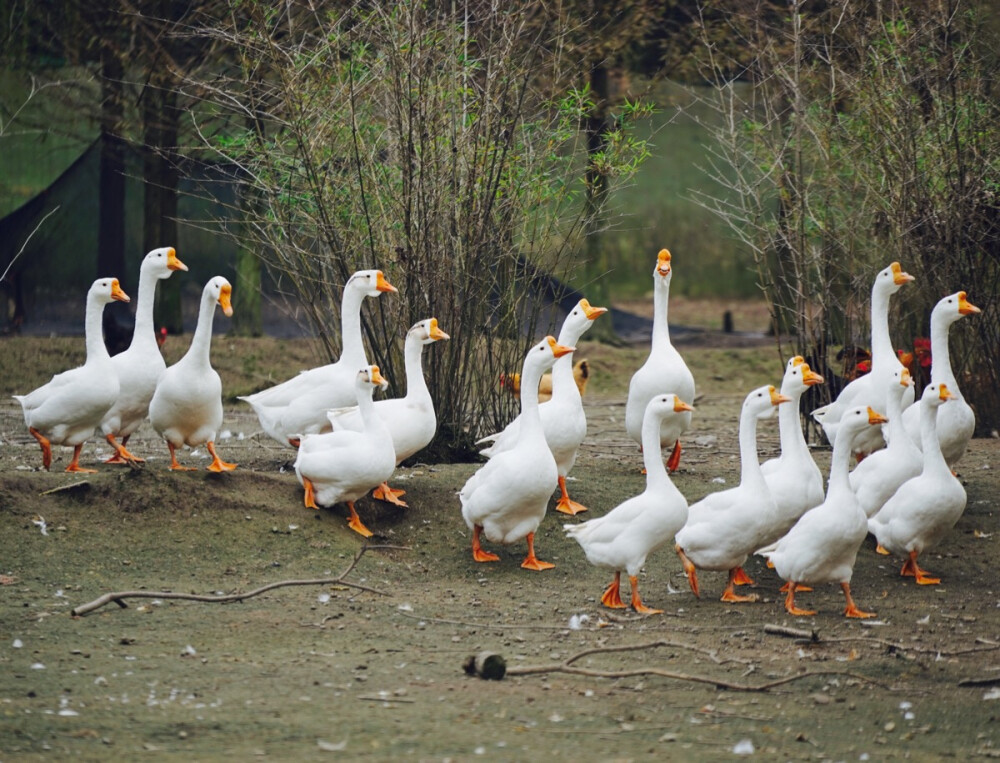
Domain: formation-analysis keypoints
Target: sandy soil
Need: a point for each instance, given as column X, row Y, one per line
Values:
column 312, row 672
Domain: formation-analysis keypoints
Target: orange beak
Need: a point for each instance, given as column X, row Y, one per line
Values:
column 776, row 397
column 900, row 277
column 592, row 312
column 874, row 417
column 225, row 299
column 172, row 262
column 559, row 349
column 376, row 376
column 810, row 377
column 905, row 379
column 117, row 293
column 944, row 393
column 964, row 306
column 663, row 262
column 436, row 333
column 680, row 405
column 381, row 284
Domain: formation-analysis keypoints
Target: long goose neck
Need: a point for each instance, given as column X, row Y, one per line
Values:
column 350, row 327
column 840, row 462
column 652, row 458
column 413, row 352
column 531, row 374
column 94, row 330
column 661, row 307
column 366, row 407
column 201, row 343
column 929, row 442
column 144, row 332
column 941, row 354
column 881, row 341
column 789, row 428
column 894, row 411
column 750, row 472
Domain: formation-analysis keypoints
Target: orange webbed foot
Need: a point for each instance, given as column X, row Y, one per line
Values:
column 734, row 598
column 798, row 587
column 532, row 562
column 637, row 604
column 217, row 465
column 390, row 495
column 478, row 554
column 568, row 506
column 612, row 597
column 355, row 522
column 741, row 578
column 880, row 549
column 689, row 570
column 310, row 496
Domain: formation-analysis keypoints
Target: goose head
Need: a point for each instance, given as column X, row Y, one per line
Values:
column 799, row 377
column 427, row 331
column 370, row 282
column 544, row 354
column 580, row 318
column 763, row 399
column 663, row 271
column 163, row 262
column 106, row 290
column 664, row 406
column 936, row 395
column 368, row 379
column 220, row 291
column 891, row 279
column 953, row 307
column 858, row 419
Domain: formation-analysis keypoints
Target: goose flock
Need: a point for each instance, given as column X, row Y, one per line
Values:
column 903, row 489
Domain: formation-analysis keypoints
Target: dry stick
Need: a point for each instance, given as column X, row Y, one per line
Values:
column 118, row 596
column 567, row 667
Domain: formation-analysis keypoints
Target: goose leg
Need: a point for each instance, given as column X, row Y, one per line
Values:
column 637, row 604
column 612, row 597
column 355, row 522
column 385, row 493
column 911, row 569
column 799, row 587
column 689, row 570
column 852, row 609
column 217, row 465
column 566, row 505
column 121, row 456
column 74, row 465
column 46, row 447
column 477, row 550
column 730, row 595
column 790, row 607
column 310, row 497
column 532, row 562
column 741, row 577
column 675, row 457
column 175, row 465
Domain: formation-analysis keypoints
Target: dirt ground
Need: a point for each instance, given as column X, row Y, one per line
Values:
column 312, row 673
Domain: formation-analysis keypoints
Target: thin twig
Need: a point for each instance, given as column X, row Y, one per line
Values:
column 25, row 244
column 567, row 667
column 118, row 597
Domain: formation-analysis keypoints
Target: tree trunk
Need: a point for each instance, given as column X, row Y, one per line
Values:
column 161, row 176
column 246, row 295
column 598, row 261
column 111, row 183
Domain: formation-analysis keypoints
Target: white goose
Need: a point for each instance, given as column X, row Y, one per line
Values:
column 723, row 528
column 663, row 372
column 141, row 364
column 299, row 405
column 344, row 465
column 824, row 543
column 795, row 482
column 877, row 478
column 66, row 410
column 626, row 535
column 955, row 422
column 563, row 419
column 186, row 408
column 506, row 498
column 927, row 506
column 869, row 390
column 410, row 420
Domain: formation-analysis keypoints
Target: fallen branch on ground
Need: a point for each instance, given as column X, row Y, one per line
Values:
column 567, row 667
column 118, row 597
